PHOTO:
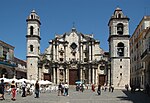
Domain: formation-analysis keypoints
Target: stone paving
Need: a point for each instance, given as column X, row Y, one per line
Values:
column 118, row 96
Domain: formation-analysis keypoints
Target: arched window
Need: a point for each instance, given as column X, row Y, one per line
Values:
column 120, row 28
column 120, row 49
column 119, row 15
column 31, row 16
column 31, row 30
column 31, row 48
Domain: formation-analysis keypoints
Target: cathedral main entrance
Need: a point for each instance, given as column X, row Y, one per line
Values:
column 73, row 76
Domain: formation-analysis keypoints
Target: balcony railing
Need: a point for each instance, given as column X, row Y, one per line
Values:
column 11, row 64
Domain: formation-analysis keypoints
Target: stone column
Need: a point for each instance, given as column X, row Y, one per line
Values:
column 81, row 52
column 54, row 56
column 96, row 76
column 81, row 72
column 58, row 76
column 90, row 52
column 89, row 75
column 93, row 70
column 57, row 55
column 54, row 75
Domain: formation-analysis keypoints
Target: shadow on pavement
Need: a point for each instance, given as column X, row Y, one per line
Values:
column 136, row 97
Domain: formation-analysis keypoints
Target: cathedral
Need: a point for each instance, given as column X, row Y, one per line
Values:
column 75, row 56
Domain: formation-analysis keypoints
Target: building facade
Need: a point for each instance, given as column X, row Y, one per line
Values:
column 119, row 49
column 70, row 57
column 10, row 66
column 137, row 48
column 146, row 57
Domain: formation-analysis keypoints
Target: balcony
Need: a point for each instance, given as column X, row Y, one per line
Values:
column 8, row 63
column 146, row 55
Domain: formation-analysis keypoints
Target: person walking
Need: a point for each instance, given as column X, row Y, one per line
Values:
column 13, row 90
column 62, row 89
column 99, row 89
column 59, row 89
column 93, row 87
column 82, row 88
column 2, row 89
column 37, row 89
column 23, row 89
column 112, row 88
column 66, row 89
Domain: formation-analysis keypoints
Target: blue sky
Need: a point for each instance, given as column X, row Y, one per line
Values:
column 57, row 17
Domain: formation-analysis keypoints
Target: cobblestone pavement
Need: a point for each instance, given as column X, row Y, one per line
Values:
column 118, row 96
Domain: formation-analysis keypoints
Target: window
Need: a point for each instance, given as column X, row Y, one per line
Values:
column 119, row 15
column 73, row 46
column 120, row 28
column 31, row 30
column 31, row 48
column 31, row 16
column 120, row 48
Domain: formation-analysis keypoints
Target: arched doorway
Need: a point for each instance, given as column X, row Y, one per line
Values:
column 3, row 72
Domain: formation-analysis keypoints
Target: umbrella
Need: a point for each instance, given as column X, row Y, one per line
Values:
column 32, row 81
column 5, row 80
column 78, row 82
column 44, row 82
column 14, row 79
column 23, row 79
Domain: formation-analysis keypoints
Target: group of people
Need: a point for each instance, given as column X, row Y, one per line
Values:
column 80, row 87
column 13, row 90
column 13, row 87
column 63, row 89
column 111, row 88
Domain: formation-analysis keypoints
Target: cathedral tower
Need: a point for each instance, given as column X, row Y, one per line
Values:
column 119, row 49
column 33, row 45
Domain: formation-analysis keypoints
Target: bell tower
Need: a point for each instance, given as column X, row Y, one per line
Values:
column 33, row 45
column 119, row 49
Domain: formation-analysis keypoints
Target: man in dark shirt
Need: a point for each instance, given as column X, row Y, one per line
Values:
column 37, row 87
column 2, row 89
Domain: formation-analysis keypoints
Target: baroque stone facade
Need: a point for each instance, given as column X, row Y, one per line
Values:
column 74, row 56
column 70, row 57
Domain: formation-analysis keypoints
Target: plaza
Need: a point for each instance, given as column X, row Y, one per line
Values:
column 118, row 96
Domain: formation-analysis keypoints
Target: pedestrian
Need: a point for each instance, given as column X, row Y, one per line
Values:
column 81, row 88
column 66, row 86
column 112, row 88
column 2, row 89
column 93, row 87
column 105, row 87
column 59, row 89
column 147, row 89
column 37, row 89
column 23, row 89
column 99, row 89
column 62, row 89
column 127, row 87
column 13, row 90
